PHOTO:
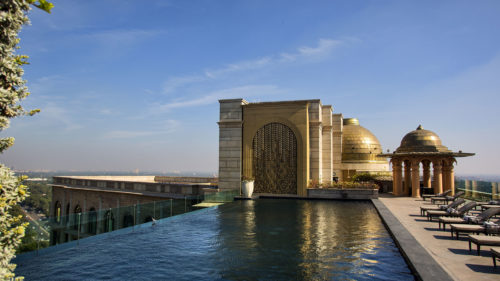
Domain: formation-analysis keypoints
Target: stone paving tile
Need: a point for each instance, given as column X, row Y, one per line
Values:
column 453, row 255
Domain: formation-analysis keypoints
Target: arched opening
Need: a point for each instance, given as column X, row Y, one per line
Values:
column 109, row 221
column 57, row 212
column 128, row 220
column 275, row 159
column 92, row 221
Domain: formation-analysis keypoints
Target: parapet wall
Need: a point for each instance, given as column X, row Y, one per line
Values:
column 165, row 179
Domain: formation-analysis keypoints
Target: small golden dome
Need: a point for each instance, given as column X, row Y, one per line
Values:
column 359, row 144
column 421, row 140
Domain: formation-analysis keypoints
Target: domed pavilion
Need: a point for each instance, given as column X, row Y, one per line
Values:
column 423, row 146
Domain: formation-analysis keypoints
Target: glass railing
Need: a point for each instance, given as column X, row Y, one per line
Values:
column 220, row 196
column 75, row 226
column 478, row 190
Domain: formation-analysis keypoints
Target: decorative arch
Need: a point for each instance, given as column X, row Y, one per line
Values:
column 274, row 159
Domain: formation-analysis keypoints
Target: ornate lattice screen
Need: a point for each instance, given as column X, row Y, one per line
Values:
column 275, row 160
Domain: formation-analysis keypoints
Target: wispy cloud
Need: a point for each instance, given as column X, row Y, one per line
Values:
column 54, row 114
column 242, row 91
column 323, row 49
column 240, row 66
column 46, row 84
column 122, row 36
column 165, row 127
column 175, row 82
column 319, row 52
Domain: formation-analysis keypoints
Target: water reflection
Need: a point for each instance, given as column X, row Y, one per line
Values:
column 273, row 239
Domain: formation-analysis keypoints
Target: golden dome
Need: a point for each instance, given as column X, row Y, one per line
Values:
column 421, row 140
column 359, row 144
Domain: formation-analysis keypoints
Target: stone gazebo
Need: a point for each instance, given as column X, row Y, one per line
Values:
column 423, row 146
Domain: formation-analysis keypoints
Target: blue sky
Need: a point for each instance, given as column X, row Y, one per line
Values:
column 127, row 85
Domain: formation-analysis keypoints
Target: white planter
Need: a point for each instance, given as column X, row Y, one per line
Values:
column 247, row 188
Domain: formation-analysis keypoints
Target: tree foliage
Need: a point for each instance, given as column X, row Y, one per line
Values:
column 11, row 229
column 363, row 177
column 40, row 197
column 13, row 15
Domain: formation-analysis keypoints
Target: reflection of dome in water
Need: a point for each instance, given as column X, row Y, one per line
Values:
column 421, row 140
column 359, row 145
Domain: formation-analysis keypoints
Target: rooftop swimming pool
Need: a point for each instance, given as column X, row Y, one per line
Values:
column 266, row 239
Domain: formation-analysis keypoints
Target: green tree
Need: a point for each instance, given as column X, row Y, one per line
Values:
column 13, row 15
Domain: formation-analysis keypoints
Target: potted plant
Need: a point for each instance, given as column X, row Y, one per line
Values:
column 247, row 186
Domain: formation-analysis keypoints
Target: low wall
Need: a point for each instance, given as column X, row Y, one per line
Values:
column 354, row 194
column 166, row 179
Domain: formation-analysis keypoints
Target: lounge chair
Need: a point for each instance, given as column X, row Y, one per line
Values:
column 442, row 194
column 453, row 205
column 452, row 212
column 490, row 204
column 479, row 219
column 447, row 198
column 481, row 240
column 486, row 228
column 495, row 254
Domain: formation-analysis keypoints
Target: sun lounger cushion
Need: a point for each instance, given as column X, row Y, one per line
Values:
column 480, row 240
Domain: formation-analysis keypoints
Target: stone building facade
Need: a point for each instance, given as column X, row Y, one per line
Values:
column 89, row 205
column 285, row 144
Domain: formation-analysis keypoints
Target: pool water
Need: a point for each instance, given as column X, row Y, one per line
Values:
column 266, row 239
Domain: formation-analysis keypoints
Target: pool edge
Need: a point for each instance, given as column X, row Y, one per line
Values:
column 75, row 243
column 421, row 263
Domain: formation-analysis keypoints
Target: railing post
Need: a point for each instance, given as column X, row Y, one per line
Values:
column 78, row 237
column 154, row 209
column 171, row 207
column 185, row 204
column 133, row 225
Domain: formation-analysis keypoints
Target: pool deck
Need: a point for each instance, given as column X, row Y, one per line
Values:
column 432, row 252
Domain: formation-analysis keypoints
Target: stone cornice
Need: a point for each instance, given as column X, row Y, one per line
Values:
column 430, row 154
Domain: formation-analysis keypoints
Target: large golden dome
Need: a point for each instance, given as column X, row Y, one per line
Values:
column 421, row 140
column 359, row 145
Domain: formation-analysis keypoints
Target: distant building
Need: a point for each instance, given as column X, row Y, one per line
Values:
column 286, row 144
column 101, row 199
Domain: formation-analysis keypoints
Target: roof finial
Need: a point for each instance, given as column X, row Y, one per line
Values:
column 420, row 127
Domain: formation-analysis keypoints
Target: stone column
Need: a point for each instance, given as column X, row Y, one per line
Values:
column 407, row 178
column 415, row 179
column 467, row 188
column 396, row 177
column 494, row 190
column 450, row 175
column 230, row 143
column 426, row 167
column 438, row 177
column 315, row 141
column 327, row 143
column 475, row 195
column 445, row 170
column 337, row 126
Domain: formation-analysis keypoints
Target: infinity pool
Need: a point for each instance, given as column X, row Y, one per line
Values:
column 266, row 239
